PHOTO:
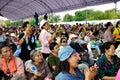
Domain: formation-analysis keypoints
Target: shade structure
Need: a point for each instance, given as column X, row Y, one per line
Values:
column 20, row 9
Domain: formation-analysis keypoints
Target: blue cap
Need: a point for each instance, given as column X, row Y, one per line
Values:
column 64, row 53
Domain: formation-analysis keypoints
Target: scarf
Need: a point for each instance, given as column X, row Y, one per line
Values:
column 32, row 40
column 12, row 65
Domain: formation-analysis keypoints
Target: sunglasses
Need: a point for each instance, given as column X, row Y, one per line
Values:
column 64, row 41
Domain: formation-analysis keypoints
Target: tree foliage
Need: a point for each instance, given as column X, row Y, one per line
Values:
column 68, row 18
column 91, row 14
column 79, row 16
column 7, row 22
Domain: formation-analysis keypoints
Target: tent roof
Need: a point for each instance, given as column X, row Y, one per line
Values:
column 19, row 9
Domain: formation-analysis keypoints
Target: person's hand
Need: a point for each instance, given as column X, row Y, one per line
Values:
column 90, row 73
column 37, row 74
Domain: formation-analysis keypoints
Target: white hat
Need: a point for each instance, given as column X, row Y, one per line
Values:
column 42, row 23
column 13, row 35
column 72, row 36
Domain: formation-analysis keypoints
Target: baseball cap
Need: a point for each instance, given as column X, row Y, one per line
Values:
column 64, row 53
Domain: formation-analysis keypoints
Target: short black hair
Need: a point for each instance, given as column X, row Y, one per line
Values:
column 52, row 45
column 117, row 23
column 62, row 39
column 25, row 24
column 0, row 29
column 3, row 44
column 108, row 24
column 106, row 45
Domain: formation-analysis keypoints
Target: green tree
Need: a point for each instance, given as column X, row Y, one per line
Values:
column 68, row 18
column 79, row 16
column 7, row 22
column 109, row 14
column 54, row 18
column 97, row 15
column 40, row 18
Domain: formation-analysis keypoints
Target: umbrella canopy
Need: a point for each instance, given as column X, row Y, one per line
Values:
column 20, row 9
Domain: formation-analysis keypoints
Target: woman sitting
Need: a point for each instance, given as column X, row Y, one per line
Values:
column 37, row 68
column 108, row 63
column 10, row 65
column 68, row 66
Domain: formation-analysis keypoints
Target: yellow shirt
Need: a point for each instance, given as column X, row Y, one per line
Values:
column 116, row 33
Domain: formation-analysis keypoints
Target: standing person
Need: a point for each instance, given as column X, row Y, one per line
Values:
column 108, row 63
column 2, row 36
column 36, row 18
column 108, row 36
column 116, row 33
column 24, row 26
column 27, row 43
column 10, row 65
column 69, row 66
column 45, row 38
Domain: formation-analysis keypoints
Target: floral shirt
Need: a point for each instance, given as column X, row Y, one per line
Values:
column 107, row 68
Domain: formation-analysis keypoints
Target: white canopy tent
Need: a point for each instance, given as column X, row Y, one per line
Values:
column 20, row 9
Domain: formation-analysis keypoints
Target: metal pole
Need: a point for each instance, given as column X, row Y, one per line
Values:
column 115, row 11
column 86, row 16
column 52, row 17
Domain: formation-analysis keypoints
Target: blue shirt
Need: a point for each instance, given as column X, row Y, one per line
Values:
column 63, row 75
column 3, row 38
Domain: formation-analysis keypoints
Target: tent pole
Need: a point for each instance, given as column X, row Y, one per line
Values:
column 115, row 11
column 52, row 17
column 86, row 16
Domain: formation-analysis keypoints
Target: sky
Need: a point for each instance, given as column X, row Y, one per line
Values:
column 102, row 7
column 98, row 7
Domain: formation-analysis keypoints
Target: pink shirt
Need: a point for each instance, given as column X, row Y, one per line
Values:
column 118, row 75
column 44, row 36
column 108, row 36
column 20, row 67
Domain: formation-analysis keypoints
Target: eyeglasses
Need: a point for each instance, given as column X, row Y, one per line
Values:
column 64, row 41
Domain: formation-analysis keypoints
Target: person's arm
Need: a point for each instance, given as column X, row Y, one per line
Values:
column 52, row 37
column 52, row 63
column 49, row 74
column 20, row 67
column 45, row 38
column 108, row 78
column 22, row 39
column 109, row 36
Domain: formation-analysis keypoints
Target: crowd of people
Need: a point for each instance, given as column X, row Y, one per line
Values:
column 60, row 52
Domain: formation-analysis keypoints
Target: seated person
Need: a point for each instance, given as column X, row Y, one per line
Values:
column 37, row 68
column 53, row 59
column 118, row 75
column 63, row 42
column 69, row 66
column 10, row 65
column 108, row 63
column 83, row 53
